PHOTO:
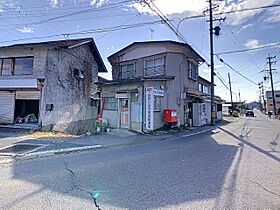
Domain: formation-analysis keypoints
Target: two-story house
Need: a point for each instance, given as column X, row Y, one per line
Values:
column 50, row 84
column 149, row 77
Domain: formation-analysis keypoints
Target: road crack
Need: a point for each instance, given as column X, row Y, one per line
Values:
column 76, row 187
column 264, row 188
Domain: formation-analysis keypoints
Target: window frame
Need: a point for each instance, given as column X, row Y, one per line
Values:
column 127, row 64
column 163, row 59
column 13, row 64
column 190, row 71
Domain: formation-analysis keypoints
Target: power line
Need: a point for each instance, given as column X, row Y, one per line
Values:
column 105, row 7
column 229, row 12
column 238, row 44
column 221, row 79
column 221, row 60
column 166, row 21
column 89, row 31
column 272, row 45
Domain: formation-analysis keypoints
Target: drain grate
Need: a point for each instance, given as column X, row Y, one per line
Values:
column 17, row 149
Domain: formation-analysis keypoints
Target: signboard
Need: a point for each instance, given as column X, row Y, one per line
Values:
column 149, row 108
column 122, row 95
column 158, row 92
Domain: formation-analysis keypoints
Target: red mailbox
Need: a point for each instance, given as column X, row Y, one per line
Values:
column 170, row 116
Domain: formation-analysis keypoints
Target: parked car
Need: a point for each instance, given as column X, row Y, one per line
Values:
column 249, row 113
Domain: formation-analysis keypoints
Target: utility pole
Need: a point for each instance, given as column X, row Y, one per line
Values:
column 213, row 108
column 262, row 95
column 269, row 58
column 229, row 82
column 239, row 95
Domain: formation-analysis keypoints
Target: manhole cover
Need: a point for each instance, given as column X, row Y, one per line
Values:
column 17, row 149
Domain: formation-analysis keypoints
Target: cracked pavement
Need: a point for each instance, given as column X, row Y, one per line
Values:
column 234, row 167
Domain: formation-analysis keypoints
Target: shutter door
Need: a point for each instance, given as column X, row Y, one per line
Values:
column 7, row 104
column 28, row 95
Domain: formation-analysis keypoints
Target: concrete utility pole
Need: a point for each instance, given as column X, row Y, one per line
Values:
column 269, row 58
column 262, row 95
column 229, row 82
column 213, row 108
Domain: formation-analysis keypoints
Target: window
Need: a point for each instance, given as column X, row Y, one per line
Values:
column 111, row 103
column 6, row 66
column 200, row 87
column 193, row 71
column 23, row 66
column 205, row 89
column 16, row 66
column 128, row 70
column 270, row 97
column 157, row 103
column 154, row 66
column 277, row 95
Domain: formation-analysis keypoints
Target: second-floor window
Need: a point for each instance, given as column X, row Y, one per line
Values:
column 193, row 71
column 203, row 88
column 154, row 66
column 128, row 70
column 16, row 66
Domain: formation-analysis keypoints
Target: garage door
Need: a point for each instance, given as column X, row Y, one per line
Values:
column 7, row 104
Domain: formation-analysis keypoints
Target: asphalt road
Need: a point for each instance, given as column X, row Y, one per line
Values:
column 237, row 166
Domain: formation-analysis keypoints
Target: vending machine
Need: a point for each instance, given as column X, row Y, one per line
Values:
column 199, row 114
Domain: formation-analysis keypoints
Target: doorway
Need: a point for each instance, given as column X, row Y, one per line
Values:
column 26, row 111
column 124, row 113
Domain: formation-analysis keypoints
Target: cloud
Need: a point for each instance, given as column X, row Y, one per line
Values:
column 252, row 43
column 273, row 16
column 241, row 17
column 26, row 30
column 98, row 3
column 53, row 3
column 172, row 7
column 191, row 7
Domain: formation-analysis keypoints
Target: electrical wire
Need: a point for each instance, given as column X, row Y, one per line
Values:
column 272, row 45
column 222, row 61
column 229, row 12
column 238, row 44
column 101, row 8
column 171, row 25
column 92, row 31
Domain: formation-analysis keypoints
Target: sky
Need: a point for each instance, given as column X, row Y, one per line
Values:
column 115, row 24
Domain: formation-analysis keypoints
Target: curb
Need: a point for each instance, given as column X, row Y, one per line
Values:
column 48, row 153
column 59, row 151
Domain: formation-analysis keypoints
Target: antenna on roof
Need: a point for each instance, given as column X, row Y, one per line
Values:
column 152, row 31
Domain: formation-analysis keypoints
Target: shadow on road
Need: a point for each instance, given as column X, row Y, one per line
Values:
column 241, row 139
column 153, row 175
